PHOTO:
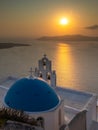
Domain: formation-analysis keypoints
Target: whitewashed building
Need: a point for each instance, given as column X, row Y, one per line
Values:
column 55, row 108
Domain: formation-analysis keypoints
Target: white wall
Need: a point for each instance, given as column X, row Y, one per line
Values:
column 51, row 118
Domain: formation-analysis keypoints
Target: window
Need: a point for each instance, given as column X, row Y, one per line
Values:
column 40, row 121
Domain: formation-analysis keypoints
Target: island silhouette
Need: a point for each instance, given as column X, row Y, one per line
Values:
column 10, row 45
column 68, row 38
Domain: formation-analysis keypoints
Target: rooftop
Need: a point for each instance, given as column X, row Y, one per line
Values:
column 74, row 99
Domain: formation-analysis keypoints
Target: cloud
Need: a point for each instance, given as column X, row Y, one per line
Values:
column 92, row 27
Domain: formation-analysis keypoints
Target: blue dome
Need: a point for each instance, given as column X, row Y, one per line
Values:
column 32, row 95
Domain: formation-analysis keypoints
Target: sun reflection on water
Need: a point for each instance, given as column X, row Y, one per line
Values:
column 64, row 64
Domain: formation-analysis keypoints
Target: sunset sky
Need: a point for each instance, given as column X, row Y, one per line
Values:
column 35, row 18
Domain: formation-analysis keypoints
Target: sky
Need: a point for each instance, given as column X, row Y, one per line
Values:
column 36, row 18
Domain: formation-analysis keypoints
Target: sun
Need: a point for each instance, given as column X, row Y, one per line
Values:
column 64, row 21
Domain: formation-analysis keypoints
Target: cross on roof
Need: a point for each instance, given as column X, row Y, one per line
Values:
column 31, row 73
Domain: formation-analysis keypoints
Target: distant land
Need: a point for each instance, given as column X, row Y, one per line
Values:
column 10, row 45
column 68, row 38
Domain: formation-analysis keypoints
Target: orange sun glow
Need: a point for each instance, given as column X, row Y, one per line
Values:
column 64, row 21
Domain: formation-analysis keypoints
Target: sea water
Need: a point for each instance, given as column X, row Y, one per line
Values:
column 76, row 63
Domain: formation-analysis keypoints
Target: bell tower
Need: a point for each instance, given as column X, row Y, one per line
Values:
column 44, row 71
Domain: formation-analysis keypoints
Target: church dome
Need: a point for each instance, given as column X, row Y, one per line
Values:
column 31, row 95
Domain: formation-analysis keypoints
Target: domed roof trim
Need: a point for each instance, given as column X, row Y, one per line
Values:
column 31, row 95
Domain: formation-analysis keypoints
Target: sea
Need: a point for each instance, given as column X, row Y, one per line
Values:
column 76, row 63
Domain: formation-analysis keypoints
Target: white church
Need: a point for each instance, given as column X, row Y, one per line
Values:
column 54, row 107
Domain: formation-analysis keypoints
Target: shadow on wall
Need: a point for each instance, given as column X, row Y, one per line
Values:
column 78, row 122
